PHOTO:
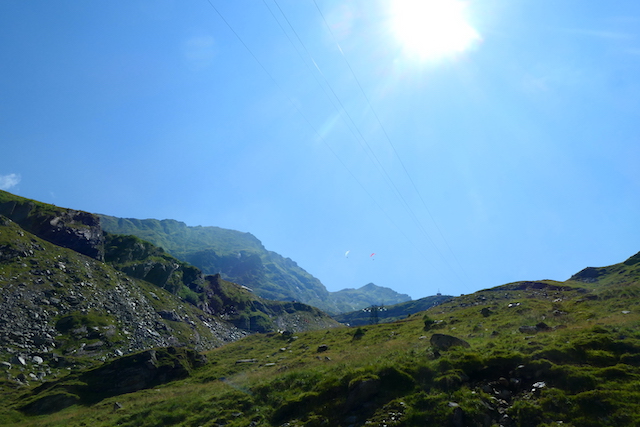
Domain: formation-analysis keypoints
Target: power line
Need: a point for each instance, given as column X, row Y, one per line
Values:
column 310, row 124
column 366, row 147
column 391, row 144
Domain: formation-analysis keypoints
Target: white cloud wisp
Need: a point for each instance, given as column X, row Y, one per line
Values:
column 9, row 181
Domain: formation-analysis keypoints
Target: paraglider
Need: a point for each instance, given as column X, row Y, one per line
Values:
column 359, row 255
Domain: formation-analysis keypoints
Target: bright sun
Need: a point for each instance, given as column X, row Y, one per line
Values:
column 432, row 29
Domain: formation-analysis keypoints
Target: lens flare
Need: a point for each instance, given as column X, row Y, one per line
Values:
column 432, row 29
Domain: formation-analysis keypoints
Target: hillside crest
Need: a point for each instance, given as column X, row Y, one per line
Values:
column 241, row 258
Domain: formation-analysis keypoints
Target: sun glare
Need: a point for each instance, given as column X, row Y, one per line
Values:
column 432, row 29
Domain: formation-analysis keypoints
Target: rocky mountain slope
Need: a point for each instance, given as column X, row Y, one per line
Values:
column 70, row 294
column 241, row 258
column 101, row 329
column 526, row 354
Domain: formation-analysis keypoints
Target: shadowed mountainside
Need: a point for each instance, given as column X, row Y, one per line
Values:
column 241, row 258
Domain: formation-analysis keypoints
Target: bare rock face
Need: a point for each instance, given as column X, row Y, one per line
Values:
column 76, row 230
column 444, row 342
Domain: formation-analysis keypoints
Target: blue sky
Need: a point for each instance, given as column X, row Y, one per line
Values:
column 315, row 127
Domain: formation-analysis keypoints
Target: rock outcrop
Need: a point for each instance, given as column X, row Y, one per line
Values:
column 57, row 303
column 68, row 300
column 76, row 230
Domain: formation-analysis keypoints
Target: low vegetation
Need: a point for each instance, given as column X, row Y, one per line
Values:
column 535, row 354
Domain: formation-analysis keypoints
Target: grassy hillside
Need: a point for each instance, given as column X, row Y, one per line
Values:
column 180, row 239
column 211, row 294
column 526, row 354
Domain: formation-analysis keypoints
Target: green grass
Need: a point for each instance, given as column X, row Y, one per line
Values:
column 590, row 372
column 539, row 353
column 589, row 365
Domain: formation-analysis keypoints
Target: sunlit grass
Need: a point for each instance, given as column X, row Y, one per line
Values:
column 589, row 355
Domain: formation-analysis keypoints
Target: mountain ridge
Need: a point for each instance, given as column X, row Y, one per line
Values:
column 99, row 298
column 367, row 295
column 240, row 257
column 109, row 340
column 379, row 313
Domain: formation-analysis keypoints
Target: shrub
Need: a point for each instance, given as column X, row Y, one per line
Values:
column 526, row 413
column 428, row 409
column 595, row 403
column 451, row 380
column 572, row 379
column 534, row 369
column 561, row 355
column 555, row 402
column 76, row 320
column 358, row 334
column 500, row 363
column 471, row 363
column 617, row 372
column 188, row 295
column 444, row 364
column 428, row 322
column 422, row 374
column 600, row 358
column 298, row 406
column 361, row 378
column 395, row 381
column 260, row 323
column 630, row 359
